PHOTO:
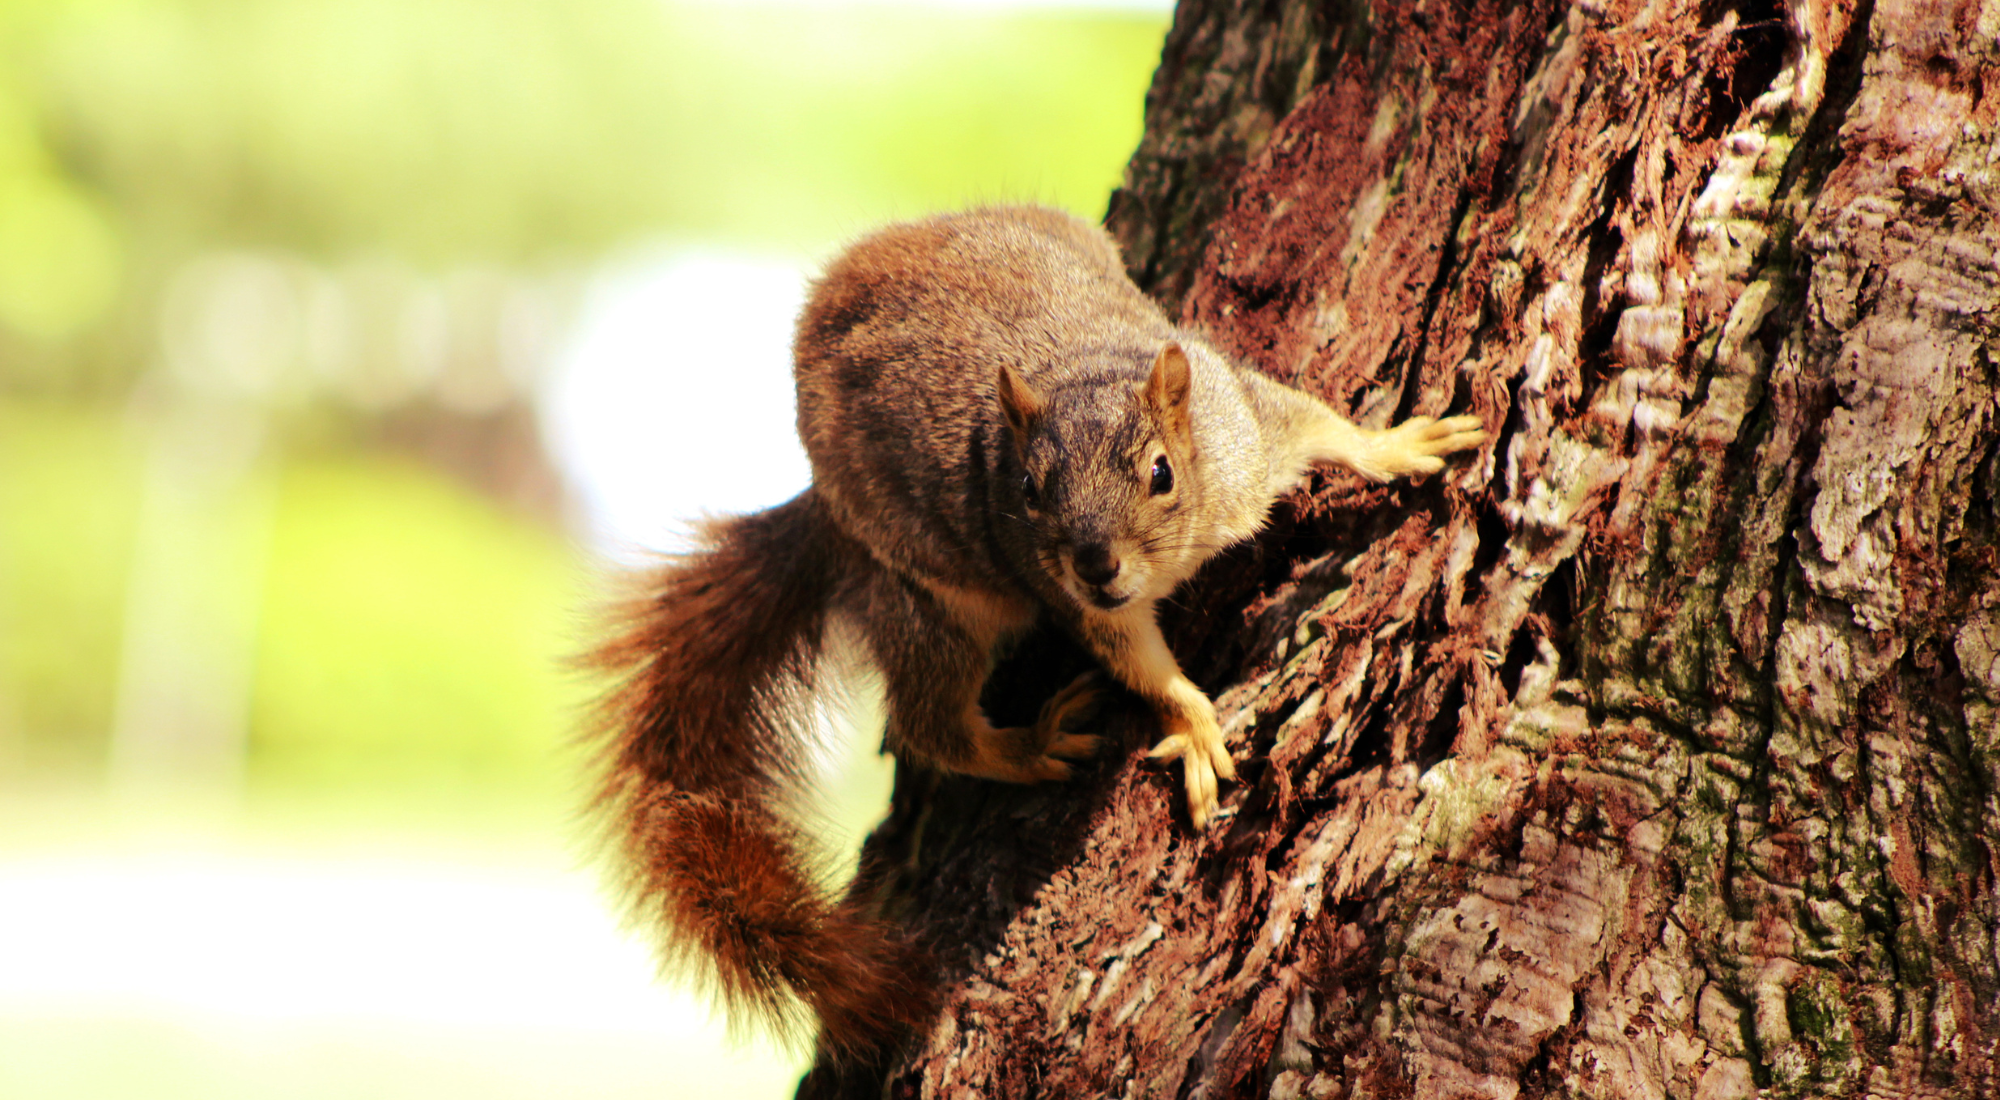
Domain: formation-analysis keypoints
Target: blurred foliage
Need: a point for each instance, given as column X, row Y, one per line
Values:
column 69, row 489
column 136, row 133
column 503, row 129
column 177, row 177
column 59, row 251
column 411, row 632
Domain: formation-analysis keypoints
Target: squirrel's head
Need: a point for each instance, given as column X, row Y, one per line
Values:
column 1108, row 480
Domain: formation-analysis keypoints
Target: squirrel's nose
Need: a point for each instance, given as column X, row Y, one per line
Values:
column 1094, row 563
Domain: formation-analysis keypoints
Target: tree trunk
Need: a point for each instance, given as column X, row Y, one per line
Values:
column 1652, row 753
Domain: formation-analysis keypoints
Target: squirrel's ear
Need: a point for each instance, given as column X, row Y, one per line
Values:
column 1019, row 401
column 1166, row 391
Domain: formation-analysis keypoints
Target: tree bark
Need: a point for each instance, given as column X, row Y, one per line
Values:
column 1654, row 752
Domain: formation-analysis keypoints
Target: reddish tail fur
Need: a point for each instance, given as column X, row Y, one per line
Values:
column 703, row 742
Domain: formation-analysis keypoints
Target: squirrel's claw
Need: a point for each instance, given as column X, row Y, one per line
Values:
column 1040, row 753
column 1204, row 758
column 1077, row 703
column 1454, row 434
column 1417, row 445
column 1052, row 766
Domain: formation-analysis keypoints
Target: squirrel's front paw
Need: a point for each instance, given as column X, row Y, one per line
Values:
column 1196, row 741
column 1417, row 445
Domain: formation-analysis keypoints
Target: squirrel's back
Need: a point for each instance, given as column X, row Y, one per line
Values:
column 899, row 350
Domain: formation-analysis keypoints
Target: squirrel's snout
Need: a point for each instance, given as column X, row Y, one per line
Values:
column 1095, row 564
column 1097, row 570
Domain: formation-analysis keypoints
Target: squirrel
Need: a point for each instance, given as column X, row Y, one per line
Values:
column 1001, row 426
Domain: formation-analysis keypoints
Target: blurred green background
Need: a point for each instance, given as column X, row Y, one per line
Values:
column 380, row 155
column 283, row 552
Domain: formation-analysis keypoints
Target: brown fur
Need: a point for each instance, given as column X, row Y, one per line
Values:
column 1000, row 426
column 705, row 745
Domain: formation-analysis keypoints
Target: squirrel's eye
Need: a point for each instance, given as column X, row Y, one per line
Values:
column 1163, row 476
column 1031, row 492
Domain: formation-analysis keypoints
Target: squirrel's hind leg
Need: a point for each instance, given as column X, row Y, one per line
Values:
column 934, row 665
column 1011, row 754
column 1076, row 703
column 1043, row 751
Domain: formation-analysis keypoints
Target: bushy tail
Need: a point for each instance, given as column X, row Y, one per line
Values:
column 703, row 740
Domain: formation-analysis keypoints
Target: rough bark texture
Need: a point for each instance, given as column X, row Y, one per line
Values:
column 1655, row 753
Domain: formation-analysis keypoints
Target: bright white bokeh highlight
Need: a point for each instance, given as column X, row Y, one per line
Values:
column 673, row 399
column 276, row 939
